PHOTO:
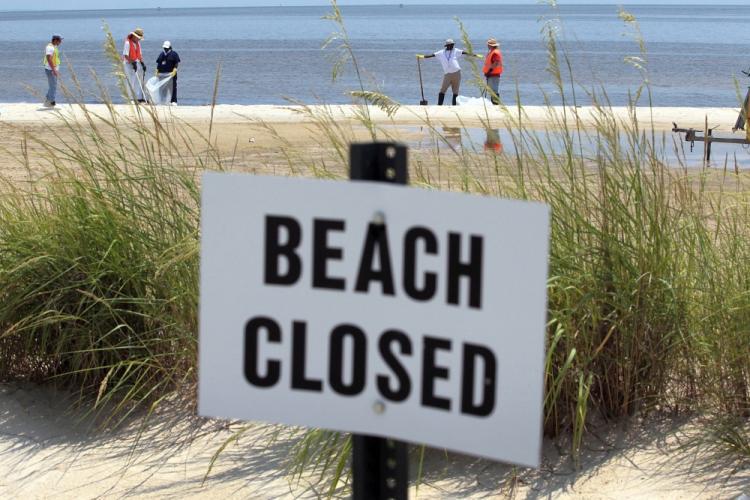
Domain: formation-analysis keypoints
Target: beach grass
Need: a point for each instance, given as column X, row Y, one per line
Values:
column 649, row 277
column 99, row 259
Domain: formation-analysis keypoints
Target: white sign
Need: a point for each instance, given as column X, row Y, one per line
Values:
column 375, row 309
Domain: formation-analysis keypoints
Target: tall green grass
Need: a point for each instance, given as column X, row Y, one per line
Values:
column 98, row 258
column 649, row 295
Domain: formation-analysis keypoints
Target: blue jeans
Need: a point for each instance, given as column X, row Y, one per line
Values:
column 493, row 82
column 52, row 85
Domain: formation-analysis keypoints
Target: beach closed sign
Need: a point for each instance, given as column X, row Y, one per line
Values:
column 375, row 309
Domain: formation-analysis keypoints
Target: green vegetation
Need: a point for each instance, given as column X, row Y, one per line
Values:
column 98, row 261
column 649, row 288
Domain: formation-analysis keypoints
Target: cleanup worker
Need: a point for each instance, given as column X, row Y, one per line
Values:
column 448, row 58
column 166, row 64
column 493, row 68
column 131, row 56
column 51, row 63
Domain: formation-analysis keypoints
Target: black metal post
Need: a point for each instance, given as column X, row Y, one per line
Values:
column 380, row 467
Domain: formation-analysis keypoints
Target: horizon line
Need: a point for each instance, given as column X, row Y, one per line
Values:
column 404, row 3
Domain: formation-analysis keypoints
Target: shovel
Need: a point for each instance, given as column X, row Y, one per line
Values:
column 423, row 102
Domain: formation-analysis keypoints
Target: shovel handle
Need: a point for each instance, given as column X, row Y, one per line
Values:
column 421, row 87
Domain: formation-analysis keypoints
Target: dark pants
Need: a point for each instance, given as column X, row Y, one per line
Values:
column 174, row 88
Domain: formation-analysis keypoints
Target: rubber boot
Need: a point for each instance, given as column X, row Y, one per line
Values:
column 455, row 96
column 441, row 98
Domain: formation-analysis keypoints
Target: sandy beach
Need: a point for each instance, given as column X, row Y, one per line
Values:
column 473, row 115
column 250, row 138
column 49, row 448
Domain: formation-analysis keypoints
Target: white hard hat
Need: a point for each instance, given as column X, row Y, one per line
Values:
column 167, row 44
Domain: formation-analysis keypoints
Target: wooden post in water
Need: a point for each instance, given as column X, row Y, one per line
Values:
column 706, row 152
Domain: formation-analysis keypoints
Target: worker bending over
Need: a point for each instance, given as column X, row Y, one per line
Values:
column 166, row 64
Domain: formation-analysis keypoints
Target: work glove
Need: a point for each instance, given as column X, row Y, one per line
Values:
column 420, row 56
column 134, row 65
column 174, row 72
column 144, row 67
column 479, row 56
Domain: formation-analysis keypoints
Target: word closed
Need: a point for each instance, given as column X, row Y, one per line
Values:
column 347, row 371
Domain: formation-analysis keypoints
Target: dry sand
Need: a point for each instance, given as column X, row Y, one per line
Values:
column 47, row 450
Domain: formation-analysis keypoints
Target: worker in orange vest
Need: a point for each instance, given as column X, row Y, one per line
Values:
column 131, row 57
column 493, row 68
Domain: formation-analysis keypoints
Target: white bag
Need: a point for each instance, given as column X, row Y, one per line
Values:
column 158, row 90
column 473, row 101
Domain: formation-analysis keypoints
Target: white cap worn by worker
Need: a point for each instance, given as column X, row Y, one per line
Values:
column 166, row 45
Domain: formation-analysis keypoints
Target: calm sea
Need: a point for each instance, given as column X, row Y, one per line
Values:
column 271, row 54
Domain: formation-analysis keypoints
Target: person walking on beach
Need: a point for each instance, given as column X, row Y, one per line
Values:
column 52, row 69
column 493, row 68
column 448, row 58
column 131, row 56
column 166, row 64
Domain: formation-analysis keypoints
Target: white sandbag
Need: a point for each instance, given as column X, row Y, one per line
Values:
column 473, row 101
column 158, row 90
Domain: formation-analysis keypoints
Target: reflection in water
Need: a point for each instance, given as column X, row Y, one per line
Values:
column 495, row 141
column 453, row 136
column 492, row 142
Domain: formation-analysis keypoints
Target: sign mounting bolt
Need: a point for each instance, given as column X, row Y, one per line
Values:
column 378, row 407
column 378, row 218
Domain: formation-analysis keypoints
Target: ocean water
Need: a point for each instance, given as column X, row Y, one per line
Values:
column 269, row 55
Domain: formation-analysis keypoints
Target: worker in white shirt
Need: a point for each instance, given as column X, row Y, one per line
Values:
column 131, row 57
column 51, row 63
column 448, row 58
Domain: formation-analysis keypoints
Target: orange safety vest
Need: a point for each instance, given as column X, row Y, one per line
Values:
column 134, row 52
column 489, row 60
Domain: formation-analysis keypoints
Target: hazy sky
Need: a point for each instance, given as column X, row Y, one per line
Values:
column 98, row 4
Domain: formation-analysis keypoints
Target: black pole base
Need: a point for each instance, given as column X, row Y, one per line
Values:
column 380, row 468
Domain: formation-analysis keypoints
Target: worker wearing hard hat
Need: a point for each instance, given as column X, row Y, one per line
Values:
column 493, row 68
column 448, row 58
column 166, row 65
column 131, row 57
